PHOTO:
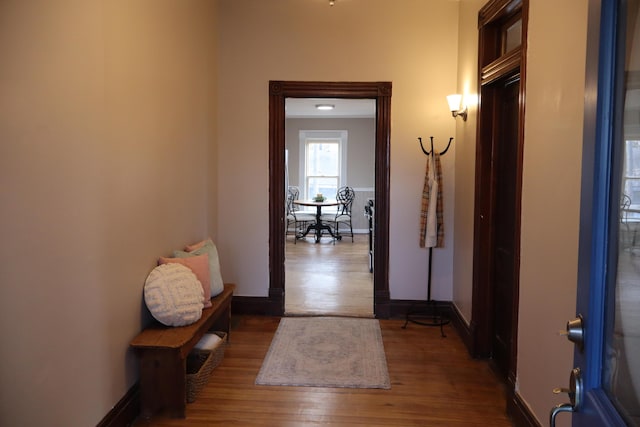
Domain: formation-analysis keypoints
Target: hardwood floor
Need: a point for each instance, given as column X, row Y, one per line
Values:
column 434, row 382
column 327, row 279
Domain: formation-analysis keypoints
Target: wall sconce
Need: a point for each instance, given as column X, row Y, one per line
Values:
column 454, row 106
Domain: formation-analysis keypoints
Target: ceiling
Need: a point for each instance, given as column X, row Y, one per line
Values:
column 344, row 108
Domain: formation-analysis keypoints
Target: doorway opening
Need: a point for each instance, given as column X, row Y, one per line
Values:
column 329, row 149
column 279, row 91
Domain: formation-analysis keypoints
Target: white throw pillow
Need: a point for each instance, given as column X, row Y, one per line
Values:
column 174, row 295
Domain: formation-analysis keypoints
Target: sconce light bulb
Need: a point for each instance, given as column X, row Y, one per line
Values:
column 454, row 102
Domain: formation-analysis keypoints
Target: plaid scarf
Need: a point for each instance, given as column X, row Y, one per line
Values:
column 432, row 229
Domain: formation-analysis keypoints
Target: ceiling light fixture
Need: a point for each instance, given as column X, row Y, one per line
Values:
column 325, row 107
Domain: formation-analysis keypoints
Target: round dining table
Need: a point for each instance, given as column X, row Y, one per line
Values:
column 318, row 226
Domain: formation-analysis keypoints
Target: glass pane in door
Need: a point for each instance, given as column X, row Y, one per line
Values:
column 622, row 350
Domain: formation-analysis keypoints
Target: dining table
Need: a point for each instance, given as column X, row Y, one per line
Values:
column 319, row 225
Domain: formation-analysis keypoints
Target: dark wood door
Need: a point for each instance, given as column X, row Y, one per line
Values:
column 498, row 189
column 505, row 263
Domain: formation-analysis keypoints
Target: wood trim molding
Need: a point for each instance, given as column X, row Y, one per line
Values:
column 305, row 89
column 399, row 308
column 278, row 92
column 124, row 413
column 520, row 413
column 501, row 66
column 258, row 306
column 461, row 326
column 497, row 9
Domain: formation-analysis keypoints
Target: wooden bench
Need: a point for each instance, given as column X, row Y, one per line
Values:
column 162, row 351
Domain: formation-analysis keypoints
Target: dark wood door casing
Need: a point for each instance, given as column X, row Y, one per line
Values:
column 495, row 66
column 278, row 92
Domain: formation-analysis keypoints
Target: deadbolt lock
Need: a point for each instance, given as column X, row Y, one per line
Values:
column 575, row 331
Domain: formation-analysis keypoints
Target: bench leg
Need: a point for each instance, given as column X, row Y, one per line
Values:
column 162, row 383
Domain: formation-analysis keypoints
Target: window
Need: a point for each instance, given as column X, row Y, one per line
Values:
column 322, row 167
column 323, row 163
column 512, row 36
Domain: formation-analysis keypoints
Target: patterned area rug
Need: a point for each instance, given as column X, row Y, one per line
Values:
column 326, row 352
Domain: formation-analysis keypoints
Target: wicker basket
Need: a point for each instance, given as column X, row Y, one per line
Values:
column 200, row 364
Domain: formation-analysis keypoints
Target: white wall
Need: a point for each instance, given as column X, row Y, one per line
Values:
column 550, row 199
column 466, row 157
column 412, row 43
column 361, row 140
column 105, row 122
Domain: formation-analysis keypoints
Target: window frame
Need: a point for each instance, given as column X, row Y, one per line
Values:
column 315, row 136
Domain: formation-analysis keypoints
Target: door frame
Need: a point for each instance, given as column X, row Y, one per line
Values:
column 278, row 92
column 493, row 66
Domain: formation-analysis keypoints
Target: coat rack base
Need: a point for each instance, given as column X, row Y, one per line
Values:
column 426, row 316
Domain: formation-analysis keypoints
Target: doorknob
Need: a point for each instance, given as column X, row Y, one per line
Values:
column 574, row 391
column 575, row 331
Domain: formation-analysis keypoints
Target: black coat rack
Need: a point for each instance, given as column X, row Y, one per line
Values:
column 430, row 315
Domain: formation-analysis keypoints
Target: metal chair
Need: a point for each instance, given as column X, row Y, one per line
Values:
column 345, row 196
column 295, row 217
